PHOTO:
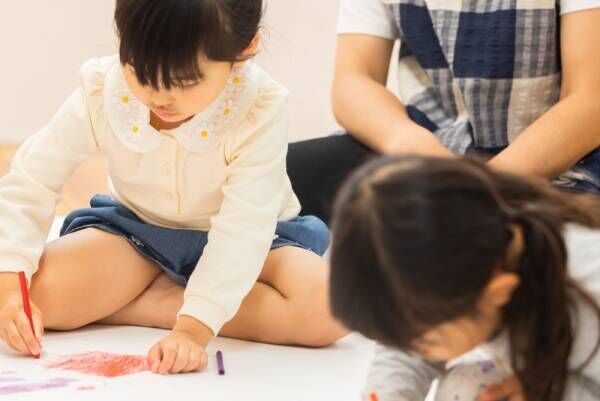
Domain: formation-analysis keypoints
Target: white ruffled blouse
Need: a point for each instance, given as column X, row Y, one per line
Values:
column 223, row 171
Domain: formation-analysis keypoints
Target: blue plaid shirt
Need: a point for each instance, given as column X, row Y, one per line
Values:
column 477, row 73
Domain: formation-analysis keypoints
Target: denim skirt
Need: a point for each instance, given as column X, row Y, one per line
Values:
column 177, row 251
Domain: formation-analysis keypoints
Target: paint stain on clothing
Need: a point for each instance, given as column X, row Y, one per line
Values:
column 102, row 364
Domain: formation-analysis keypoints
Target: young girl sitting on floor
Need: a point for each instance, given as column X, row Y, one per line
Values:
column 196, row 141
column 439, row 257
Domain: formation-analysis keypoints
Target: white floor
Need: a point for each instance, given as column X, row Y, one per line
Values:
column 253, row 371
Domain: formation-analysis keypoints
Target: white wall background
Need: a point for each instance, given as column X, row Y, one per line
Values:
column 43, row 43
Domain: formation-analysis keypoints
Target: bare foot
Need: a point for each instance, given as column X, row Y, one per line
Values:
column 157, row 306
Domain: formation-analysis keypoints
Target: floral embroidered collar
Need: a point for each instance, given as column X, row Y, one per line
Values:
column 130, row 119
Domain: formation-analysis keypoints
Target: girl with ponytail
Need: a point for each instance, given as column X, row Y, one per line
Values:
column 445, row 260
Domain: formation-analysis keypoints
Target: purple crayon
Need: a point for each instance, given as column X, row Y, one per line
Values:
column 220, row 364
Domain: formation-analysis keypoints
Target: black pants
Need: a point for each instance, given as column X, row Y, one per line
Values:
column 318, row 167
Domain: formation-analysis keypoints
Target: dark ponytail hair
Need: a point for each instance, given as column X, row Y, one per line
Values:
column 416, row 240
column 162, row 39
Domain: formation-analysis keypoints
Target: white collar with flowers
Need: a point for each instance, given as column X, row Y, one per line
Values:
column 130, row 119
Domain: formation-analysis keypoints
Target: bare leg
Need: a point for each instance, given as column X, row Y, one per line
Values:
column 86, row 276
column 157, row 306
column 288, row 305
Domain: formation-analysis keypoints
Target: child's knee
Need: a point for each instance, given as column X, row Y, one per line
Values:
column 320, row 337
column 316, row 326
column 45, row 296
column 48, row 294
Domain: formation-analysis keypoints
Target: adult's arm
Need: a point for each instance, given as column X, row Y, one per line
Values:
column 366, row 108
column 571, row 128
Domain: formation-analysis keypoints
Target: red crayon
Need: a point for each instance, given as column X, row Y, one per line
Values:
column 26, row 304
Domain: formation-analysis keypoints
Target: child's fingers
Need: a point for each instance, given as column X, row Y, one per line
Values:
column 154, row 358
column 518, row 396
column 38, row 326
column 38, row 323
column 193, row 361
column 485, row 396
column 196, row 362
column 169, row 352
column 4, row 336
column 183, row 357
column 27, row 334
column 15, row 340
column 203, row 362
column 494, row 393
column 509, row 389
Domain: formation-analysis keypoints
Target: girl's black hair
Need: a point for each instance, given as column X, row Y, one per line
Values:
column 416, row 240
column 162, row 39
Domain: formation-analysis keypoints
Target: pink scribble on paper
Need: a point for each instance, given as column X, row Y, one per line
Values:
column 102, row 364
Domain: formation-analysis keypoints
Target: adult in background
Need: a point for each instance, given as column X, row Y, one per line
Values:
column 515, row 80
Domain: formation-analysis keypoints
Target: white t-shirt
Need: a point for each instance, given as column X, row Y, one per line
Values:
column 372, row 17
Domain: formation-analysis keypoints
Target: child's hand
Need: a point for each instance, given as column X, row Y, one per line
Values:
column 14, row 324
column 182, row 350
column 508, row 390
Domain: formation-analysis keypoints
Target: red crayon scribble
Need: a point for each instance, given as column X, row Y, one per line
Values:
column 86, row 388
column 102, row 364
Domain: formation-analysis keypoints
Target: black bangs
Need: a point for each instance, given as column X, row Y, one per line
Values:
column 163, row 39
